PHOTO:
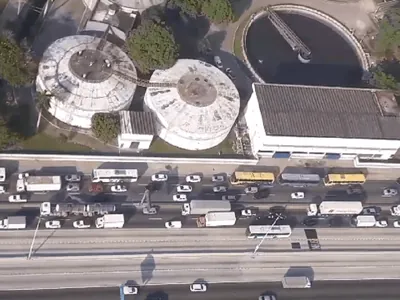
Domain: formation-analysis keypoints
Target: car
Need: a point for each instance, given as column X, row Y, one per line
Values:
column 355, row 190
column 179, row 197
column 96, row 188
column 23, row 175
column 2, row 189
column 80, row 224
column 218, row 178
column 193, row 178
column 218, row 62
column 381, row 223
column 130, row 290
column 119, row 188
column 297, row 195
column 150, row 210
column 73, row 187
column 310, row 221
column 261, row 194
column 395, row 210
column 53, row 224
column 388, row 192
column 229, row 197
column 371, row 210
column 251, row 190
column 184, row 188
column 229, row 72
column 159, row 177
column 173, row 224
column 198, row 287
column 396, row 224
column 248, row 212
column 267, row 297
column 17, row 198
column 73, row 178
column 219, row 189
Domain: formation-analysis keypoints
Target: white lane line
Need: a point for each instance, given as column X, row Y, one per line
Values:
column 155, row 219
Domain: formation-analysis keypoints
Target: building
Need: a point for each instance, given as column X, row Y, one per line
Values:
column 289, row 121
column 195, row 104
column 85, row 75
column 137, row 130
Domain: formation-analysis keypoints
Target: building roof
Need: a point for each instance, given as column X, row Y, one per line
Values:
column 292, row 110
column 137, row 122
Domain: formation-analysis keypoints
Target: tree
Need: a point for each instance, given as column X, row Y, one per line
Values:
column 385, row 81
column 105, row 126
column 190, row 7
column 43, row 101
column 218, row 11
column 8, row 138
column 388, row 38
column 152, row 46
column 16, row 65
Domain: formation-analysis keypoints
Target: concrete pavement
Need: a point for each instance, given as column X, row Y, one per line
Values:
column 159, row 269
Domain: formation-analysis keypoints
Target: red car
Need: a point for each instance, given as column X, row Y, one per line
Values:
column 96, row 188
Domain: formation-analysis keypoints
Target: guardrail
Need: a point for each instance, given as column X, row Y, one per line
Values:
column 375, row 164
column 145, row 159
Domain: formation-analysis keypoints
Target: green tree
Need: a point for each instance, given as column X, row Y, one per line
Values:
column 152, row 46
column 385, row 81
column 218, row 11
column 105, row 126
column 43, row 100
column 388, row 39
column 8, row 138
column 190, row 7
column 16, row 65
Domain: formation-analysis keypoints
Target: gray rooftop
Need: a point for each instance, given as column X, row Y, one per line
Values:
column 137, row 122
column 291, row 110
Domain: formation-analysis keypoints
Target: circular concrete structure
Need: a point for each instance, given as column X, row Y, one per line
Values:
column 85, row 78
column 337, row 58
column 199, row 112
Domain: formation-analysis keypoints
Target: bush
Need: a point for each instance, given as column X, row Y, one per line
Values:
column 217, row 11
column 105, row 126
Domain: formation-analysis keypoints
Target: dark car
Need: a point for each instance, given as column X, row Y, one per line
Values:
column 355, row 190
column 372, row 210
column 310, row 222
column 262, row 194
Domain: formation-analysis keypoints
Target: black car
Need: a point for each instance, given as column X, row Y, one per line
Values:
column 230, row 74
column 310, row 221
column 261, row 194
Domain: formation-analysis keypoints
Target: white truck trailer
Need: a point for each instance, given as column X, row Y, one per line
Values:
column 217, row 219
column 296, row 282
column 201, row 207
column 99, row 209
column 62, row 210
column 17, row 222
column 365, row 221
column 39, row 184
column 335, row 208
column 110, row 221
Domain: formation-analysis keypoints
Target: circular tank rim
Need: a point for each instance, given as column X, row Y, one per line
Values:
column 320, row 16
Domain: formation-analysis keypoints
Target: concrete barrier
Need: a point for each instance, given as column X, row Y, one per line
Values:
column 146, row 159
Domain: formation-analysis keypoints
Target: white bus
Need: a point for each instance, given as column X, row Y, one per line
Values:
column 114, row 175
column 276, row 231
column 2, row 174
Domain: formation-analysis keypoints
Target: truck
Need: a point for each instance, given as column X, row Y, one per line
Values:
column 216, row 219
column 110, row 221
column 99, row 209
column 39, row 184
column 201, row 207
column 335, row 208
column 296, row 282
column 16, row 222
column 62, row 210
column 365, row 221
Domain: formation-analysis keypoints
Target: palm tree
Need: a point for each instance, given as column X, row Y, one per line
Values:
column 42, row 102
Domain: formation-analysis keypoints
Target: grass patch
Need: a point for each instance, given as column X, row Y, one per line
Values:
column 159, row 146
column 44, row 142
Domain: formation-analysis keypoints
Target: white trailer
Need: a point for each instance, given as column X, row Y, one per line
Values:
column 99, row 209
column 216, row 219
column 296, row 282
column 335, row 208
column 62, row 210
column 39, row 184
column 110, row 221
column 201, row 207
column 3, row 174
column 17, row 222
column 365, row 221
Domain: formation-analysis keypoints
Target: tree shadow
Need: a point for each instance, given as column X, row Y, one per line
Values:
column 240, row 6
column 147, row 268
column 216, row 38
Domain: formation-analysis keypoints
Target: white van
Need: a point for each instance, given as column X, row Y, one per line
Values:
column 365, row 221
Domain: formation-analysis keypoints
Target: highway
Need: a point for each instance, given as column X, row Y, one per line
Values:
column 329, row 290
column 160, row 269
column 62, row 243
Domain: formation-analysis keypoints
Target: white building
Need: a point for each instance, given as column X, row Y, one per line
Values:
column 199, row 107
column 321, row 122
column 85, row 75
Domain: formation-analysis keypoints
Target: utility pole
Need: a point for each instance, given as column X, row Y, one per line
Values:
column 34, row 238
column 265, row 236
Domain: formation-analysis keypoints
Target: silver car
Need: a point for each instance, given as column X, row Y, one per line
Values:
column 73, row 187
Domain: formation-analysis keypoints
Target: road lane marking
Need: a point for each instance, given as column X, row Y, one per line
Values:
column 155, row 218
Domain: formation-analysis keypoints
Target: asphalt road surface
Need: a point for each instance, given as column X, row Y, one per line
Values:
column 330, row 290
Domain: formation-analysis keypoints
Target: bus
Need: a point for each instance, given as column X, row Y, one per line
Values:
column 276, row 231
column 346, row 179
column 252, row 177
column 114, row 175
column 299, row 180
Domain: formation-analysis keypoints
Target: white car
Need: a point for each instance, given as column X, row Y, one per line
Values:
column 173, row 224
column 179, row 197
column 119, row 188
column 248, row 212
column 130, row 290
column 193, row 178
column 396, row 224
column 73, row 187
column 218, row 62
column 229, row 197
column 23, row 175
column 219, row 189
column 251, row 190
column 73, row 178
column 80, row 224
column 2, row 189
column 389, row 192
column 159, row 177
column 218, row 178
column 17, row 198
column 184, row 188
column 267, row 297
column 198, row 287
column 53, row 224
column 297, row 195
column 381, row 223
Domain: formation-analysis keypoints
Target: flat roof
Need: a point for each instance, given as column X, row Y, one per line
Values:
column 305, row 111
column 137, row 122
